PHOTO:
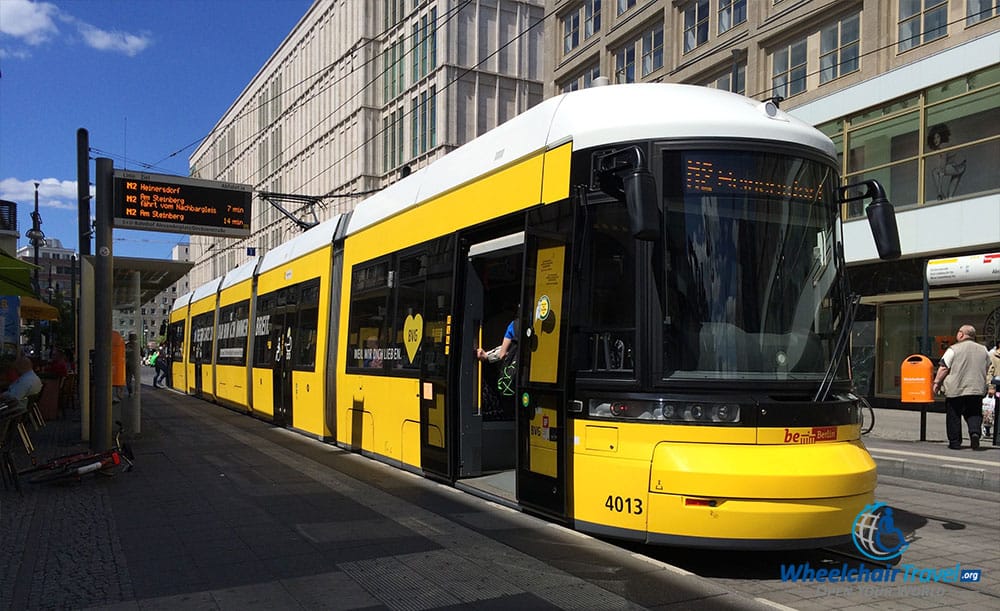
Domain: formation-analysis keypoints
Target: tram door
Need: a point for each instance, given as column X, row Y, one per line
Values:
column 283, row 329
column 541, row 385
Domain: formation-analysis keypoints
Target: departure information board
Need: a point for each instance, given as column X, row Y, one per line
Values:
column 176, row 204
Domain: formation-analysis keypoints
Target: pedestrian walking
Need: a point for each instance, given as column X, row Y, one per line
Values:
column 962, row 377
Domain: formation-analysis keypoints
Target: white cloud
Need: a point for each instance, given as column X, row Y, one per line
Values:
column 29, row 21
column 103, row 40
column 34, row 23
column 52, row 192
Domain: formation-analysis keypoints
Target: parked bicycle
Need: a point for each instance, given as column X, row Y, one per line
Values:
column 112, row 461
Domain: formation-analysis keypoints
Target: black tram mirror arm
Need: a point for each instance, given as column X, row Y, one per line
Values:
column 881, row 216
column 623, row 174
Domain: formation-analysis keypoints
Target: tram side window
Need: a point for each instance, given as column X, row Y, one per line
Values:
column 232, row 341
column 305, row 351
column 175, row 336
column 201, row 338
column 366, row 327
column 437, row 305
column 408, row 319
column 604, row 342
column 263, row 350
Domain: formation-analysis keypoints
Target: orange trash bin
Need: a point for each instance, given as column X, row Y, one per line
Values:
column 916, row 376
column 117, row 359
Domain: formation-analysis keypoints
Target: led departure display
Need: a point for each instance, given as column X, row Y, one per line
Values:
column 175, row 204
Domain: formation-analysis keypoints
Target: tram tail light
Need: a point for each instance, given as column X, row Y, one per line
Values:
column 689, row 502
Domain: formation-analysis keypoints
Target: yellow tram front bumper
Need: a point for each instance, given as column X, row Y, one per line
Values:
column 766, row 494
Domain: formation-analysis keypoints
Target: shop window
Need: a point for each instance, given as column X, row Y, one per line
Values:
column 962, row 146
column 921, row 21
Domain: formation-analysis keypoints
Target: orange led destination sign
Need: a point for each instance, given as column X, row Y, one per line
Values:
column 177, row 204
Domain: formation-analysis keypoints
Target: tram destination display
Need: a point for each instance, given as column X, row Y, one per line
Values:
column 176, row 204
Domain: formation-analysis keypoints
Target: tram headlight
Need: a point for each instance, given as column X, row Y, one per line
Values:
column 665, row 411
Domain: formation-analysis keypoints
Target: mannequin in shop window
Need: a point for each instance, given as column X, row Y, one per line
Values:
column 948, row 170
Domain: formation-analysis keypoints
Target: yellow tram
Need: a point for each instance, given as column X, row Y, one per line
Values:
column 668, row 261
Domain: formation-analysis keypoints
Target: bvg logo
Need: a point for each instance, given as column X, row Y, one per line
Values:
column 817, row 433
column 875, row 533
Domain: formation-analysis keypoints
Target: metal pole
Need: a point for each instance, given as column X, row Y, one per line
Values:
column 926, row 349
column 135, row 403
column 103, row 285
column 83, row 189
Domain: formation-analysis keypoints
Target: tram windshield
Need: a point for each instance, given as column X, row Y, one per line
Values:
column 748, row 281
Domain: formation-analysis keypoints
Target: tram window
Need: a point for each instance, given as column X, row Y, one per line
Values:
column 176, row 338
column 232, row 334
column 409, row 306
column 201, row 338
column 366, row 326
column 305, row 352
column 606, row 289
column 263, row 351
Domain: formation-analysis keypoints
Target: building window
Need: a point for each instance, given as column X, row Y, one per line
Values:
column 921, row 21
column 725, row 82
column 584, row 80
column 589, row 13
column 393, row 72
column 788, row 72
column 392, row 140
column 981, row 10
column 839, row 49
column 731, row 14
column 624, row 5
column 625, row 65
column 424, row 40
column 695, row 24
column 423, row 119
column 571, row 31
column 652, row 50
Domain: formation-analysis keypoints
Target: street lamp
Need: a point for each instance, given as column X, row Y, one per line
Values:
column 37, row 239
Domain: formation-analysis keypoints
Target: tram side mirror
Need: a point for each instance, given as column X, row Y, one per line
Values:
column 640, row 201
column 881, row 216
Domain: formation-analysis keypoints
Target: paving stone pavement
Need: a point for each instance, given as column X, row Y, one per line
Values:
column 224, row 511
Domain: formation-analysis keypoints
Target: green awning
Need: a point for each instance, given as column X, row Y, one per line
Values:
column 15, row 276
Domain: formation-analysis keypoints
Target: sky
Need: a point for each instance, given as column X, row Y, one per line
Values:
column 148, row 80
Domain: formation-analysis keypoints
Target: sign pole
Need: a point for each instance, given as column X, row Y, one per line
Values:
column 100, row 438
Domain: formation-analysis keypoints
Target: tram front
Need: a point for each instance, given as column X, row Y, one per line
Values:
column 715, row 403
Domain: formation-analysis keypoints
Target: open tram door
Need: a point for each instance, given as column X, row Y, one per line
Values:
column 542, row 379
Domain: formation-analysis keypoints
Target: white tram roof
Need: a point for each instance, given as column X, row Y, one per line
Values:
column 317, row 237
column 182, row 302
column 595, row 117
column 206, row 290
column 238, row 274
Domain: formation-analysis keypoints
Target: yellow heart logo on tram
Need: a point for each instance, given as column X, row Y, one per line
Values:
column 413, row 332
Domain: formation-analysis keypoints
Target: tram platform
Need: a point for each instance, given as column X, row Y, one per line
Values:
column 224, row 511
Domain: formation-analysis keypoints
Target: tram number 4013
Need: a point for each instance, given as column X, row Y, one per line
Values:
column 624, row 504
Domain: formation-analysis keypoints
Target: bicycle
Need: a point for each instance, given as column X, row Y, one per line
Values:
column 118, row 458
column 867, row 415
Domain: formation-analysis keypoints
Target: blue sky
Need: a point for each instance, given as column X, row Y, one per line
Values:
column 148, row 79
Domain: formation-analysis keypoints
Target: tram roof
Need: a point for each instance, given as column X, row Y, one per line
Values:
column 209, row 288
column 238, row 274
column 182, row 302
column 317, row 237
column 588, row 118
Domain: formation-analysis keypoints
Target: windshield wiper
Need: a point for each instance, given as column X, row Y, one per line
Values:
column 839, row 349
